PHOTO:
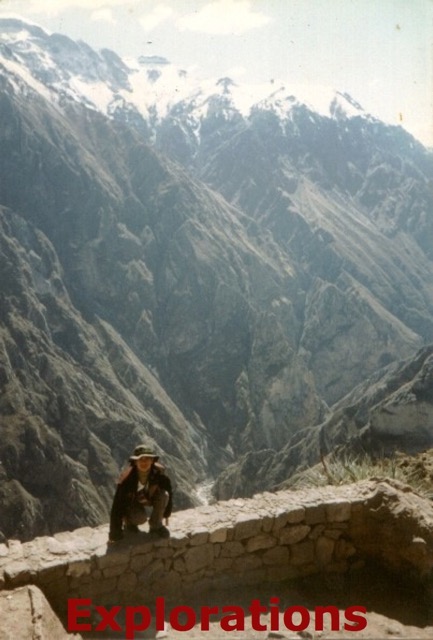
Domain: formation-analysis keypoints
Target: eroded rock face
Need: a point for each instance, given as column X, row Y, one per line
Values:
column 75, row 400
column 393, row 412
column 135, row 306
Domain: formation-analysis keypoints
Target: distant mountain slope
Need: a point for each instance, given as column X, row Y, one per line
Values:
column 130, row 302
column 391, row 412
column 207, row 271
column 74, row 399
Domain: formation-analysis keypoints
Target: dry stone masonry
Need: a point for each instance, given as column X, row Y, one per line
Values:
column 269, row 538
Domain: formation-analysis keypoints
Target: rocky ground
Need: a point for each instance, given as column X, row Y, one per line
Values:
column 342, row 468
column 394, row 610
column 418, row 467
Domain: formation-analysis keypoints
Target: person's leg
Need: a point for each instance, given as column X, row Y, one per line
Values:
column 135, row 516
column 159, row 503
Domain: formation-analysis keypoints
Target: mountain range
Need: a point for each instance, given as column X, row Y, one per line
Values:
column 215, row 268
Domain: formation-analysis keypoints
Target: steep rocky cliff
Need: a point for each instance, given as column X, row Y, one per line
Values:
column 391, row 412
column 133, row 303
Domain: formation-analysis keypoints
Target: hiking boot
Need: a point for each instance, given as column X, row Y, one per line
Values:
column 161, row 532
column 132, row 528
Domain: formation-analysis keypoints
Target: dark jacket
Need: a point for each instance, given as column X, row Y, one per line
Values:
column 126, row 493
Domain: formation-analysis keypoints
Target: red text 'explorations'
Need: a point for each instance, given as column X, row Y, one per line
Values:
column 82, row 616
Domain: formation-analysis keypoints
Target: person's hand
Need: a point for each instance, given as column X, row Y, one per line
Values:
column 114, row 540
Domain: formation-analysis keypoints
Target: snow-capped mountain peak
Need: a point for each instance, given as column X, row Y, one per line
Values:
column 344, row 106
column 150, row 87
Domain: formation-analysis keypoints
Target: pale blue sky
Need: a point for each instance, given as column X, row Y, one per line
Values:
column 379, row 51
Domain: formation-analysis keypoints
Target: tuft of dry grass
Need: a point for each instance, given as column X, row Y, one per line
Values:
column 415, row 471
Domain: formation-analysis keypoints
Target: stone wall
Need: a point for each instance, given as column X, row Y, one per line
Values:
column 269, row 538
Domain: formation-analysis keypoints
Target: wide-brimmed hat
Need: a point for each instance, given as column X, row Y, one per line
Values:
column 143, row 451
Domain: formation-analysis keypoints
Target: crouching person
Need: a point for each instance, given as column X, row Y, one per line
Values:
column 143, row 485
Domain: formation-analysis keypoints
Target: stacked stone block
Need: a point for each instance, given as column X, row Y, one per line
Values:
column 269, row 538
